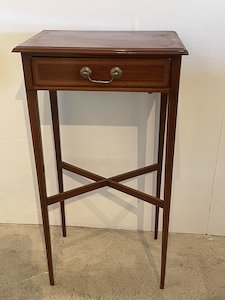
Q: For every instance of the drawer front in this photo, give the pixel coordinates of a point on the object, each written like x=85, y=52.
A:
x=65, y=72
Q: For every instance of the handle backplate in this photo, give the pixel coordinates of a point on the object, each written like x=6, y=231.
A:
x=115, y=73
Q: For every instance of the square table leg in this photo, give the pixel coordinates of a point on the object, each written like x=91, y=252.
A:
x=162, y=123
x=169, y=155
x=56, y=134
x=39, y=161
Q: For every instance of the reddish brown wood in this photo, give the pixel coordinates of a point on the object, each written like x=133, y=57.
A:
x=116, y=178
x=137, y=73
x=162, y=123
x=134, y=173
x=104, y=88
x=170, y=141
x=39, y=161
x=101, y=182
x=80, y=171
x=140, y=195
x=77, y=191
x=103, y=43
x=56, y=134
x=36, y=134
x=151, y=63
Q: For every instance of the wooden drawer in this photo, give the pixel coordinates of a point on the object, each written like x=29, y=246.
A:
x=65, y=72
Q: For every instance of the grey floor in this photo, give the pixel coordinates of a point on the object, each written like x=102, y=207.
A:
x=109, y=264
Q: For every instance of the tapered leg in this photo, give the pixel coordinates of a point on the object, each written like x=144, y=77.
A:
x=170, y=141
x=56, y=133
x=38, y=153
x=162, y=122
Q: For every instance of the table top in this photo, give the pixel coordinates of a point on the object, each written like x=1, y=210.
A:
x=107, y=42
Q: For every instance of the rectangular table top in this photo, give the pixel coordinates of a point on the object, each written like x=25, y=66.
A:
x=107, y=42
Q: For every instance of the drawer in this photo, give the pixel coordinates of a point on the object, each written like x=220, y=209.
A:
x=65, y=72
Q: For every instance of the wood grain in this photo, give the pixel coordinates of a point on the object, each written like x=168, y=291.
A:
x=104, y=43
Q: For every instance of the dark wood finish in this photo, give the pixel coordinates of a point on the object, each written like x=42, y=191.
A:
x=56, y=72
x=80, y=171
x=140, y=195
x=135, y=173
x=150, y=62
x=116, y=178
x=162, y=123
x=170, y=141
x=77, y=191
x=56, y=134
x=104, y=87
x=101, y=182
x=104, y=43
x=32, y=103
x=36, y=135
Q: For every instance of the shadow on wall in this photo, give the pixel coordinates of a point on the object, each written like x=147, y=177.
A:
x=102, y=109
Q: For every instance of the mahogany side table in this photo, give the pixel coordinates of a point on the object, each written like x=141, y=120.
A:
x=144, y=61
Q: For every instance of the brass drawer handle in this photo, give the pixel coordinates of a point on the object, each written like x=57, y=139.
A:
x=115, y=72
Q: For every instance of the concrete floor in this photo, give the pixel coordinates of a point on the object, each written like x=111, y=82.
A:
x=109, y=264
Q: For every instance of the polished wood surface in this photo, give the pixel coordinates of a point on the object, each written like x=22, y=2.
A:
x=104, y=42
x=65, y=72
x=150, y=62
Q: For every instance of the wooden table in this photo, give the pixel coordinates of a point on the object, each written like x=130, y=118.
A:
x=144, y=61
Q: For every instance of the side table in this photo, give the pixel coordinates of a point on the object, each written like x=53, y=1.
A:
x=135, y=61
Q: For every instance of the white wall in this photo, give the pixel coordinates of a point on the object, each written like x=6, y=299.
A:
x=116, y=126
